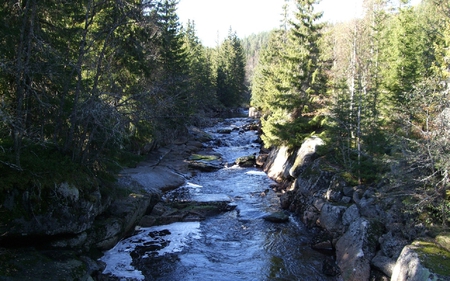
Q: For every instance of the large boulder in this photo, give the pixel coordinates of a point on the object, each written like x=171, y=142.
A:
x=277, y=165
x=304, y=155
x=422, y=260
x=64, y=209
x=355, y=250
x=156, y=178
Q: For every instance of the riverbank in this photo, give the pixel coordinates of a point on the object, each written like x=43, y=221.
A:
x=70, y=250
x=368, y=227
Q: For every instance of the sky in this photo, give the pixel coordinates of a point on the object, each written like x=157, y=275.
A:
x=214, y=18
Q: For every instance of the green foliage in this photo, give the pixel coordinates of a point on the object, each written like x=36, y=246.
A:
x=231, y=72
x=289, y=84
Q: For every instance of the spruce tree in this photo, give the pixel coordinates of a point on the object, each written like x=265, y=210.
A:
x=300, y=82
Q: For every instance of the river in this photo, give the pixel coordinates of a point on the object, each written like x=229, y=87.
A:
x=234, y=245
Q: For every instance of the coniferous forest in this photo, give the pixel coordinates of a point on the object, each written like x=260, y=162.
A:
x=374, y=88
x=88, y=86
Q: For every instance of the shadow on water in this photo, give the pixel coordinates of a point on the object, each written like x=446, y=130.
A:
x=235, y=245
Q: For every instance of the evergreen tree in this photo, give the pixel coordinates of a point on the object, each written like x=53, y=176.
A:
x=202, y=91
x=300, y=85
x=231, y=72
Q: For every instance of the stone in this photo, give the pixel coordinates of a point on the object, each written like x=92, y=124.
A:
x=383, y=263
x=350, y=215
x=204, y=166
x=277, y=217
x=277, y=167
x=331, y=217
x=246, y=161
x=391, y=244
x=422, y=260
x=355, y=250
x=304, y=155
x=155, y=178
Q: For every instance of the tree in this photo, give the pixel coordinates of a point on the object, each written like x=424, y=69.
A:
x=300, y=82
x=202, y=91
x=231, y=72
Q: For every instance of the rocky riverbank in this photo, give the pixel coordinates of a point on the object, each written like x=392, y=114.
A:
x=64, y=241
x=372, y=237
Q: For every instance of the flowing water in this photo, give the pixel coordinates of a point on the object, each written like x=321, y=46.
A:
x=234, y=245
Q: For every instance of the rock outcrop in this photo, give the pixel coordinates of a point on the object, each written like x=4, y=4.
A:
x=366, y=229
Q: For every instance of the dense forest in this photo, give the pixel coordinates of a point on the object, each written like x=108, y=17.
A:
x=88, y=86
x=374, y=88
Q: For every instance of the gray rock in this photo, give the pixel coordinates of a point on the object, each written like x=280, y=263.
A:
x=354, y=251
x=246, y=161
x=350, y=215
x=155, y=178
x=331, y=217
x=277, y=217
x=383, y=263
x=63, y=210
x=417, y=262
x=304, y=155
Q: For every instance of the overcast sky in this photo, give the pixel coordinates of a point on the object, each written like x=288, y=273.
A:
x=213, y=18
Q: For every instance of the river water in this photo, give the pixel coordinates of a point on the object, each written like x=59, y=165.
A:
x=234, y=245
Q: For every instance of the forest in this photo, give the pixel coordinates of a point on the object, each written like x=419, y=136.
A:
x=374, y=88
x=88, y=87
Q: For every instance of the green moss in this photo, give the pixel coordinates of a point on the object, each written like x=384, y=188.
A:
x=434, y=257
x=203, y=157
x=443, y=239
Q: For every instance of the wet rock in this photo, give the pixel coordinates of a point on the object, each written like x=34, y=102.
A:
x=277, y=217
x=246, y=161
x=204, y=166
x=224, y=130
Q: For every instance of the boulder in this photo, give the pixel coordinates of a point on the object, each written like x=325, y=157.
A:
x=246, y=161
x=304, y=155
x=355, y=250
x=66, y=209
x=277, y=165
x=331, y=218
x=277, y=217
x=422, y=260
x=383, y=263
x=156, y=178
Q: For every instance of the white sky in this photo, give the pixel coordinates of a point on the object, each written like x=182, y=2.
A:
x=213, y=18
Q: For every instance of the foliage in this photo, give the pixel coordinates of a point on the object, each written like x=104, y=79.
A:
x=90, y=83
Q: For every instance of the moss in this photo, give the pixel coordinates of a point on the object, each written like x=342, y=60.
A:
x=203, y=157
x=443, y=239
x=434, y=257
